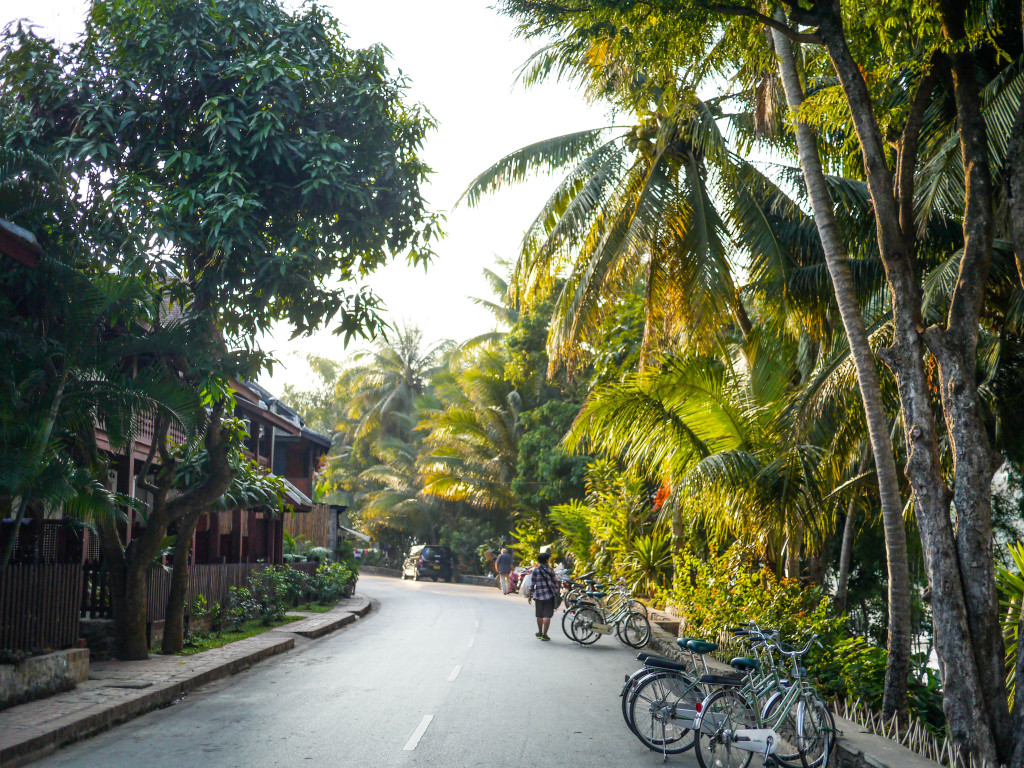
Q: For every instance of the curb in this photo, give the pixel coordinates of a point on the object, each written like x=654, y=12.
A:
x=325, y=623
x=88, y=717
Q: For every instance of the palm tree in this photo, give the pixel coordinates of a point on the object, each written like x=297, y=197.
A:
x=471, y=446
x=636, y=204
x=385, y=383
x=392, y=497
x=715, y=430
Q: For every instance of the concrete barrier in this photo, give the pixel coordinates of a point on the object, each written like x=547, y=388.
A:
x=39, y=676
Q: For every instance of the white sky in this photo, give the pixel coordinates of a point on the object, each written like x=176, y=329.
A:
x=461, y=59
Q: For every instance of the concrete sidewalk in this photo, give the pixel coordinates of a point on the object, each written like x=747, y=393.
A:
x=120, y=690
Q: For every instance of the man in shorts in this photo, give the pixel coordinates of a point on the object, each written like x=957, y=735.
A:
x=503, y=565
x=543, y=590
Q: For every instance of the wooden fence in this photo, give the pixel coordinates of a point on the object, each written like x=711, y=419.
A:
x=39, y=606
x=211, y=581
x=314, y=525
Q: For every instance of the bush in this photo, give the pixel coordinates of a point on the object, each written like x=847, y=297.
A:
x=199, y=609
x=271, y=588
x=718, y=591
x=714, y=593
x=240, y=607
x=330, y=580
x=298, y=586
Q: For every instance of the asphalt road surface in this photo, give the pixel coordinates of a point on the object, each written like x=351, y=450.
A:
x=443, y=675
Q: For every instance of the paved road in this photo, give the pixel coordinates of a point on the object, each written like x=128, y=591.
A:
x=438, y=675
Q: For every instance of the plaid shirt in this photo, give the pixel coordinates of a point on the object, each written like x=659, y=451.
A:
x=543, y=586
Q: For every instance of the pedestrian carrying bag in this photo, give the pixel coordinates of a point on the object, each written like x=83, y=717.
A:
x=526, y=585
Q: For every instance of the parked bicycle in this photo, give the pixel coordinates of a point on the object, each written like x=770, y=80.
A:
x=605, y=612
x=730, y=718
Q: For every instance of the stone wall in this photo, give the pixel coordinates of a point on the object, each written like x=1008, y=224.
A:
x=480, y=581
x=40, y=676
x=99, y=638
x=374, y=570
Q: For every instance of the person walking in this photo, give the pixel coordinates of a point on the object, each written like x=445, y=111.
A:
x=542, y=593
x=503, y=565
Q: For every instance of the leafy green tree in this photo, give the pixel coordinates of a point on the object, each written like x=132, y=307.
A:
x=252, y=160
x=545, y=475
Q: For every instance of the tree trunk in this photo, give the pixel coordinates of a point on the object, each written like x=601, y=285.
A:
x=898, y=668
x=174, y=615
x=794, y=538
x=1015, y=173
x=974, y=706
x=845, y=553
x=846, y=548
x=128, y=595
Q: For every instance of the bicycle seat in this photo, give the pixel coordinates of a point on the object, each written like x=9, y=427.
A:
x=720, y=680
x=645, y=655
x=587, y=576
x=744, y=664
x=660, y=662
x=596, y=594
x=701, y=646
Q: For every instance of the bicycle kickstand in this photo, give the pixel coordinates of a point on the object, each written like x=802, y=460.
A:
x=664, y=742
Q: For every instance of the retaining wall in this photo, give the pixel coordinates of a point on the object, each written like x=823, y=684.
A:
x=40, y=676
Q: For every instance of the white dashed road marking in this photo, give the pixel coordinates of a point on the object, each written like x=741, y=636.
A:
x=410, y=745
x=471, y=641
x=455, y=673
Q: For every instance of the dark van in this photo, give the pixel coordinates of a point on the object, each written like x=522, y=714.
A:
x=428, y=561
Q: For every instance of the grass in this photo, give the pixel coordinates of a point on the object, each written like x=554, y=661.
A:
x=204, y=642
x=313, y=608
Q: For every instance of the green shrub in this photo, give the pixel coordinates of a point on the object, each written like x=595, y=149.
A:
x=240, y=607
x=271, y=590
x=200, y=609
x=330, y=580
x=719, y=591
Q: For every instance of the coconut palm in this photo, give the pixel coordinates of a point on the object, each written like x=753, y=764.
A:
x=635, y=203
x=385, y=383
x=471, y=446
x=714, y=429
x=392, y=497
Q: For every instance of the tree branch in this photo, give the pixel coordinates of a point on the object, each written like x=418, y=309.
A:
x=160, y=427
x=768, y=21
x=908, y=150
x=966, y=301
x=219, y=477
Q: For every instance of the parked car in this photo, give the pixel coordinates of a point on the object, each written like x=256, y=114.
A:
x=428, y=561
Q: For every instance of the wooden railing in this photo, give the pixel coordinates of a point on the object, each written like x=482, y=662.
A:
x=211, y=581
x=39, y=606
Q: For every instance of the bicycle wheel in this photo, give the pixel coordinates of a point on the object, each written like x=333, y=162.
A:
x=581, y=627
x=636, y=605
x=722, y=714
x=662, y=709
x=787, y=751
x=567, y=622
x=636, y=630
x=572, y=598
x=629, y=691
x=816, y=729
